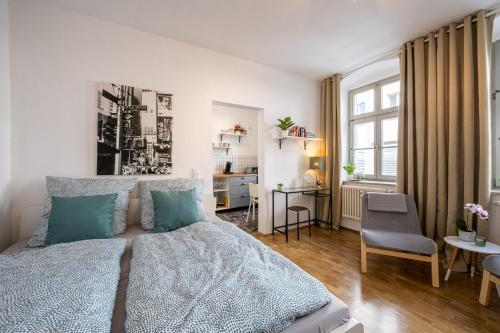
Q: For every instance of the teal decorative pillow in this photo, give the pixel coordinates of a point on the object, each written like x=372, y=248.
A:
x=168, y=185
x=77, y=218
x=174, y=210
x=76, y=187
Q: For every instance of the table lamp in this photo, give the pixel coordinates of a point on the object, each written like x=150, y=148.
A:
x=317, y=163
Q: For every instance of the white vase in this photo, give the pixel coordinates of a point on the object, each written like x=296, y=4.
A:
x=466, y=236
x=284, y=133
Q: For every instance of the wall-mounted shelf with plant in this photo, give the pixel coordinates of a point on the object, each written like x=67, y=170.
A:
x=293, y=132
x=236, y=131
x=221, y=135
x=304, y=139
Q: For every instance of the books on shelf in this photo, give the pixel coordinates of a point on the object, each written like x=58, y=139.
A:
x=299, y=131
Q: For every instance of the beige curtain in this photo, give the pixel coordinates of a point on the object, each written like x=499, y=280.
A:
x=331, y=145
x=444, y=123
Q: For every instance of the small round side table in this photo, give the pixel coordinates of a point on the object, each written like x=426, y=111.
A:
x=459, y=244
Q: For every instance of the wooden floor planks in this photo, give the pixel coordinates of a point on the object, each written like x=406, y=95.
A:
x=395, y=295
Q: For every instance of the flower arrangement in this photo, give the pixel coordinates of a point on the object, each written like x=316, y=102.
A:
x=238, y=129
x=467, y=234
x=478, y=210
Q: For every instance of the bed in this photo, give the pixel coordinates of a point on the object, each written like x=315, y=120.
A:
x=67, y=287
x=334, y=317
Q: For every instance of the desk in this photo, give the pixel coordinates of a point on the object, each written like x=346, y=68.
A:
x=308, y=191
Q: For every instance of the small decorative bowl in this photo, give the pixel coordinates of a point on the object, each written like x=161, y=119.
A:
x=480, y=241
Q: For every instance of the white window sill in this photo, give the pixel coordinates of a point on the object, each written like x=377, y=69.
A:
x=371, y=182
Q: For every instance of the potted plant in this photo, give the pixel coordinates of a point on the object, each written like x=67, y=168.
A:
x=476, y=211
x=284, y=125
x=465, y=234
x=238, y=129
x=279, y=186
x=350, y=168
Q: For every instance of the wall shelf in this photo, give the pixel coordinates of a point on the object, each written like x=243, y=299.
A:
x=304, y=139
x=239, y=136
x=226, y=148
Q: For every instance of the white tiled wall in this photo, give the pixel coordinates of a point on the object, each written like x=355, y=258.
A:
x=240, y=162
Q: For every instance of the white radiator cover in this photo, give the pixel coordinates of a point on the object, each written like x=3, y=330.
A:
x=351, y=200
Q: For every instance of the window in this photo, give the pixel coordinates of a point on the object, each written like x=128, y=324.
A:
x=373, y=127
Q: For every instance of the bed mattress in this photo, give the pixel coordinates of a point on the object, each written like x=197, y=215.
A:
x=324, y=320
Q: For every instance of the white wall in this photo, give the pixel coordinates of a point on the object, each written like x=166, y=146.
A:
x=5, y=127
x=57, y=55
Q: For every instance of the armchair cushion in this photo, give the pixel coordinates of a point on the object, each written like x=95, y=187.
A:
x=413, y=243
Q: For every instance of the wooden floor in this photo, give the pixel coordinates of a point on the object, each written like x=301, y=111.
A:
x=395, y=295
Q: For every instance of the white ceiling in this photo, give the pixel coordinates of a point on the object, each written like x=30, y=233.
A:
x=314, y=38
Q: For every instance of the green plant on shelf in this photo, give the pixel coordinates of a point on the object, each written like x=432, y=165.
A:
x=285, y=123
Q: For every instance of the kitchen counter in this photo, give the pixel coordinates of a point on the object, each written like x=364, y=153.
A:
x=223, y=175
x=232, y=190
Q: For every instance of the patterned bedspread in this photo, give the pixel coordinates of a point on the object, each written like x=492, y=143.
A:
x=213, y=277
x=62, y=288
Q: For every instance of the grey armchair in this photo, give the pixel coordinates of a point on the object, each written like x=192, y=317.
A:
x=390, y=226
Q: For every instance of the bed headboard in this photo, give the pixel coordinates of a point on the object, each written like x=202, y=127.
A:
x=30, y=217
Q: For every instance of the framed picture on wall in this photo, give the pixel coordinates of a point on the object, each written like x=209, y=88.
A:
x=134, y=130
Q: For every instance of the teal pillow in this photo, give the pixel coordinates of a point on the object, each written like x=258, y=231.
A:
x=174, y=210
x=77, y=218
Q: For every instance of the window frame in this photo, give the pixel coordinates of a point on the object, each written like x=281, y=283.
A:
x=377, y=116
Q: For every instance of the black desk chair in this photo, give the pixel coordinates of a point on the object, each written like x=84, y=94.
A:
x=299, y=209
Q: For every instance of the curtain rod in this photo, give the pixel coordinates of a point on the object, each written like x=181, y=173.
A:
x=396, y=52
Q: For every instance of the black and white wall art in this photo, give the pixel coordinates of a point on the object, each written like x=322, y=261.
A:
x=134, y=131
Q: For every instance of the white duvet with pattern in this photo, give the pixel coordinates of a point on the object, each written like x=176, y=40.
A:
x=213, y=277
x=67, y=287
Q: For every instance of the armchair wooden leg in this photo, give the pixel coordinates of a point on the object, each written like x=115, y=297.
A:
x=484, y=296
x=363, y=256
x=435, y=270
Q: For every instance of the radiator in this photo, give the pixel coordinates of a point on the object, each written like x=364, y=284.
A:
x=351, y=200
